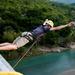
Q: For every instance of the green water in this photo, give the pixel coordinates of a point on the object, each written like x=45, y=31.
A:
x=48, y=64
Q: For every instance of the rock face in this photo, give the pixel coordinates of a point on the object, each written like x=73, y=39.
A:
x=57, y=48
x=72, y=45
x=54, y=49
x=69, y=72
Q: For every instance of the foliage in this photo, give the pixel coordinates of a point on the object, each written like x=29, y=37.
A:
x=22, y=15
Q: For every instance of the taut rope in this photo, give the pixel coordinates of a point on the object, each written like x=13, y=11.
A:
x=25, y=53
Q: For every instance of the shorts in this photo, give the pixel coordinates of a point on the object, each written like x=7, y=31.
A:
x=20, y=41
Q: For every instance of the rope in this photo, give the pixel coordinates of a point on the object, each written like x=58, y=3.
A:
x=25, y=53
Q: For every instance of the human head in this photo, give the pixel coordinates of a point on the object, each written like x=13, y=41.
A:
x=48, y=22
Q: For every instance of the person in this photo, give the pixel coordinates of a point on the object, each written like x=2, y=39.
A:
x=25, y=37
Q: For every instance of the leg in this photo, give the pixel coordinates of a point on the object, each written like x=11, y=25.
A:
x=3, y=44
x=9, y=46
x=17, y=43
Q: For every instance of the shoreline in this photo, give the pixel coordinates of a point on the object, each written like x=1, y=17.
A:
x=57, y=48
x=54, y=49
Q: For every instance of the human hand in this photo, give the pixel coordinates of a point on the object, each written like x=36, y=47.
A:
x=71, y=24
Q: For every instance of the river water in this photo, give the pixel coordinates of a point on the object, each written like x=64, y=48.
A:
x=47, y=64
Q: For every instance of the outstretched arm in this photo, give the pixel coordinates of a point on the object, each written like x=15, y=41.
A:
x=63, y=26
x=59, y=27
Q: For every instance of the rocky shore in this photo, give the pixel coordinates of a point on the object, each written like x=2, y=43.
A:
x=57, y=48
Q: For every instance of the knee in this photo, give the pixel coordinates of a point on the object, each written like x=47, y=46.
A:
x=15, y=47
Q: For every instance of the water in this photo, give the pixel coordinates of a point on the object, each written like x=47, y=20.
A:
x=48, y=64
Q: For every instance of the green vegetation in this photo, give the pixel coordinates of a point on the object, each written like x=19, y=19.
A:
x=17, y=16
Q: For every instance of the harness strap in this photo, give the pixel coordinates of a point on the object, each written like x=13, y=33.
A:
x=45, y=30
x=28, y=36
x=25, y=53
